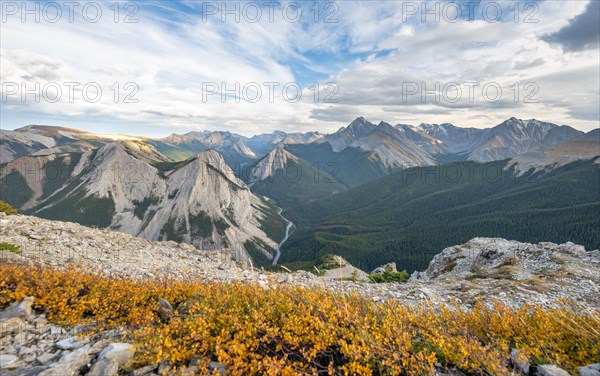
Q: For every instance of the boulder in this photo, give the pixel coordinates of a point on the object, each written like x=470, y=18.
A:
x=11, y=326
x=8, y=361
x=519, y=362
x=69, y=364
x=47, y=357
x=418, y=276
x=389, y=267
x=119, y=353
x=550, y=370
x=144, y=370
x=218, y=368
x=589, y=370
x=165, y=310
x=70, y=344
x=22, y=309
x=104, y=367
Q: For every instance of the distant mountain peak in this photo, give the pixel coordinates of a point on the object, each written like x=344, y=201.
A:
x=277, y=159
x=359, y=122
x=526, y=123
x=359, y=127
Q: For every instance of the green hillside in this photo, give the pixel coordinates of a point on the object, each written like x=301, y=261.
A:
x=319, y=172
x=299, y=183
x=14, y=190
x=178, y=152
x=350, y=167
x=409, y=216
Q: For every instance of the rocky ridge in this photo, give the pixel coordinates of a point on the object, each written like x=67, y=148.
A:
x=118, y=185
x=277, y=159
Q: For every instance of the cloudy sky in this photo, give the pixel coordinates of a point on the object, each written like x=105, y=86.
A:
x=153, y=68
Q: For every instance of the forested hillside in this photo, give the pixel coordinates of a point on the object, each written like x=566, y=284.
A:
x=408, y=216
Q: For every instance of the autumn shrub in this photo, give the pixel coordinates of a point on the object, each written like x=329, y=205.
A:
x=292, y=330
x=6, y=208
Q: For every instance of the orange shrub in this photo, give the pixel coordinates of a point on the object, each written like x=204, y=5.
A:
x=290, y=330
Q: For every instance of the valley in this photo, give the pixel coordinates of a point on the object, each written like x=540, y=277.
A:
x=287, y=236
x=371, y=193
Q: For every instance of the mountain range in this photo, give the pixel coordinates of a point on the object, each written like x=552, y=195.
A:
x=215, y=188
x=400, y=145
x=128, y=186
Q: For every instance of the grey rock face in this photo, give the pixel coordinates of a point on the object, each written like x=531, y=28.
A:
x=69, y=364
x=550, y=370
x=590, y=370
x=119, y=353
x=104, y=367
x=20, y=309
x=389, y=267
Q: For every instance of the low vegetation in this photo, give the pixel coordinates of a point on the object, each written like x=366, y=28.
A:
x=262, y=254
x=389, y=276
x=4, y=246
x=329, y=262
x=289, y=330
x=6, y=208
x=140, y=207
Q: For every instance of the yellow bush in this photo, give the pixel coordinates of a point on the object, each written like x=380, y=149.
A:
x=6, y=208
x=292, y=330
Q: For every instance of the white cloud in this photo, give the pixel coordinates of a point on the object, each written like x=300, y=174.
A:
x=369, y=52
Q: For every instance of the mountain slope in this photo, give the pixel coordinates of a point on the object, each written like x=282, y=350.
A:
x=585, y=146
x=232, y=146
x=506, y=140
x=392, y=146
x=455, y=140
x=515, y=136
x=350, y=167
x=45, y=140
x=290, y=180
x=405, y=217
x=264, y=143
x=582, y=148
x=198, y=201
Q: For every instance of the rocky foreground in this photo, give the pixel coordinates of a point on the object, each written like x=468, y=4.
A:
x=488, y=269
x=481, y=270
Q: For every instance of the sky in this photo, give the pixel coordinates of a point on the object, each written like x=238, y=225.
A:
x=153, y=68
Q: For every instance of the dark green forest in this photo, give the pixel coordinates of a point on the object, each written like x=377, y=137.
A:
x=410, y=216
x=318, y=172
x=298, y=182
